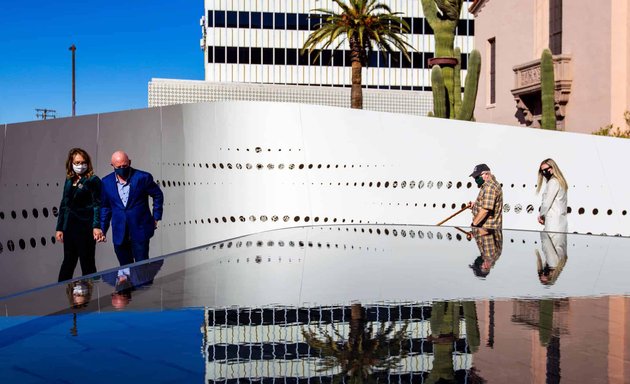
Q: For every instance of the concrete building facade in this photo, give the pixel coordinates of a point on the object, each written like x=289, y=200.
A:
x=251, y=48
x=589, y=43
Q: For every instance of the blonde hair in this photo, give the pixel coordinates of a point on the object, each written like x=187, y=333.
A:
x=557, y=173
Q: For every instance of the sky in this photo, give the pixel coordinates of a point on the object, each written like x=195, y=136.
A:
x=120, y=44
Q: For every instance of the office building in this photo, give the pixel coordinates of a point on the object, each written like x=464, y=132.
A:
x=252, y=52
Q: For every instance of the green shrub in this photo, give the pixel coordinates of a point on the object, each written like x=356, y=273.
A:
x=610, y=130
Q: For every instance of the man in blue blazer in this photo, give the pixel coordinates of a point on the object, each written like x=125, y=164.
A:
x=125, y=201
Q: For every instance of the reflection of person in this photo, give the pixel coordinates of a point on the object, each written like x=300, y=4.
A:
x=490, y=244
x=79, y=293
x=554, y=247
x=78, y=223
x=487, y=209
x=553, y=209
x=126, y=280
x=125, y=198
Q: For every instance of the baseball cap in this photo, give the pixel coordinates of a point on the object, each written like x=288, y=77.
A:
x=478, y=169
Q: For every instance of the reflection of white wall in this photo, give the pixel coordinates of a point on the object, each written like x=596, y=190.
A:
x=368, y=268
x=180, y=144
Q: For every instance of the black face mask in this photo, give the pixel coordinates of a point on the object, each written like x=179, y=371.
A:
x=123, y=172
x=547, y=174
x=479, y=180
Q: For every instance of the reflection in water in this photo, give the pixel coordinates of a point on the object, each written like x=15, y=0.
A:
x=126, y=280
x=550, y=318
x=554, y=247
x=549, y=337
x=79, y=294
x=364, y=355
x=490, y=244
x=431, y=343
x=445, y=330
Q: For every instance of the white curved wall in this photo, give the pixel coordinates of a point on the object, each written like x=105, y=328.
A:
x=205, y=150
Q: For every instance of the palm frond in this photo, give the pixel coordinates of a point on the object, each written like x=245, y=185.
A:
x=366, y=22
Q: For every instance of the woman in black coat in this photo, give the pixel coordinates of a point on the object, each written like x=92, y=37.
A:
x=79, y=221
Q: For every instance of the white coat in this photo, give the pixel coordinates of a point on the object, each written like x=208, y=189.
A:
x=554, y=207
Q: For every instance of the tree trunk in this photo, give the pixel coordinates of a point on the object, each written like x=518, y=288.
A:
x=357, y=325
x=356, y=93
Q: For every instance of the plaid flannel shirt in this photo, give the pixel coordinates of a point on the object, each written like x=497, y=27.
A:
x=490, y=243
x=491, y=198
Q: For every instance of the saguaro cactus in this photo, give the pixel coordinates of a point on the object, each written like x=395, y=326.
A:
x=470, y=88
x=547, y=90
x=442, y=16
x=445, y=331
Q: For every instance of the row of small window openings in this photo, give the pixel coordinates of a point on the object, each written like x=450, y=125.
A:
x=264, y=218
x=35, y=213
x=38, y=184
x=281, y=243
x=270, y=166
x=22, y=243
x=326, y=57
x=394, y=232
x=439, y=235
x=506, y=208
x=370, y=184
x=310, y=22
x=259, y=149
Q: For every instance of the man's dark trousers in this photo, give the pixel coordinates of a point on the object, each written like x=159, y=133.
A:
x=131, y=251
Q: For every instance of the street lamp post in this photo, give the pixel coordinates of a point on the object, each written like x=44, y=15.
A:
x=74, y=100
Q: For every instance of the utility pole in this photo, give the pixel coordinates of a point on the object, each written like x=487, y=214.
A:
x=74, y=100
x=45, y=113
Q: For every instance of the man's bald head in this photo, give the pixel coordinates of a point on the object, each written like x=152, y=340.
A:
x=120, y=159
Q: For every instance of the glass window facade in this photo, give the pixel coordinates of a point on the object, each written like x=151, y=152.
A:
x=308, y=21
x=328, y=57
x=272, y=35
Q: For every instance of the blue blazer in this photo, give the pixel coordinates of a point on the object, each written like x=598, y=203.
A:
x=139, y=275
x=136, y=217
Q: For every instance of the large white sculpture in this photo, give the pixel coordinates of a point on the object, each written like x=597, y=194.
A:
x=229, y=169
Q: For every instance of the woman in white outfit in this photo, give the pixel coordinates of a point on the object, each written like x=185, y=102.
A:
x=553, y=215
x=553, y=208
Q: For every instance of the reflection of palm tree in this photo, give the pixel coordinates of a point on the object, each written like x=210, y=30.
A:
x=364, y=353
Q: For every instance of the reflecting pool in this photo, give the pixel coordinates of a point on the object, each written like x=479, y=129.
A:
x=384, y=304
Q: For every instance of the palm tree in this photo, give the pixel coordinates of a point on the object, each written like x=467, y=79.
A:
x=364, y=354
x=364, y=24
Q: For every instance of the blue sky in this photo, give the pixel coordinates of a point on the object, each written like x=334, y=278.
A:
x=121, y=45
